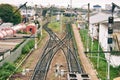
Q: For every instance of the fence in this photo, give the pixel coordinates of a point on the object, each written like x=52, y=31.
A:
x=13, y=55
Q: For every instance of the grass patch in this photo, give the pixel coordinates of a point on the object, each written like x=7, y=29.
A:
x=55, y=26
x=102, y=70
x=44, y=34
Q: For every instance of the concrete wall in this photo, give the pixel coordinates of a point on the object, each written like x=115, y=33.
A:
x=103, y=36
x=14, y=54
x=93, y=31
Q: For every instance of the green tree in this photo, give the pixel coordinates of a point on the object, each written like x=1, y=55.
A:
x=7, y=14
x=17, y=18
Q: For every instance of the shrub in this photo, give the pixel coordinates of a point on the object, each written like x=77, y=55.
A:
x=31, y=44
x=28, y=46
x=6, y=70
x=25, y=49
x=4, y=75
x=9, y=67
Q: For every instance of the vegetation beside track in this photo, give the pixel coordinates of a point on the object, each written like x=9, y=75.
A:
x=102, y=69
x=9, y=68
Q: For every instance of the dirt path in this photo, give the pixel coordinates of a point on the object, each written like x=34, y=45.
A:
x=84, y=60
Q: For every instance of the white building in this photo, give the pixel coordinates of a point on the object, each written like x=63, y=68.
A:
x=97, y=8
x=96, y=20
x=29, y=11
x=100, y=21
x=108, y=6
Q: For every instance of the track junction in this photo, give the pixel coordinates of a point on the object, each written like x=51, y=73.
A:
x=67, y=44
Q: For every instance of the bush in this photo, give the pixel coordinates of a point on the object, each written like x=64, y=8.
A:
x=25, y=49
x=9, y=66
x=6, y=70
x=28, y=47
x=4, y=75
x=31, y=44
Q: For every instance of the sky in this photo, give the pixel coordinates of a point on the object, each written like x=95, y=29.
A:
x=75, y=3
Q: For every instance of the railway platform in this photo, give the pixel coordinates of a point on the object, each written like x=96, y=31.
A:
x=84, y=60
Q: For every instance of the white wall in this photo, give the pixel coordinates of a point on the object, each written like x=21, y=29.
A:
x=103, y=37
x=30, y=12
x=93, y=31
x=103, y=34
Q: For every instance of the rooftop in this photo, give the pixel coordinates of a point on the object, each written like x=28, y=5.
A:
x=101, y=18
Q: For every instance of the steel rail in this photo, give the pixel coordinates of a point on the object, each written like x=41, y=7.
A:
x=42, y=67
x=68, y=49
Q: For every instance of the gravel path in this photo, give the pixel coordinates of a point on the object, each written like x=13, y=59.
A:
x=84, y=60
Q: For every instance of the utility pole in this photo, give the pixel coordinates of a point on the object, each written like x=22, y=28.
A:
x=88, y=14
x=35, y=37
x=41, y=18
x=36, y=26
x=92, y=41
x=41, y=25
x=88, y=27
x=26, y=14
x=51, y=14
x=71, y=9
x=61, y=15
x=98, y=55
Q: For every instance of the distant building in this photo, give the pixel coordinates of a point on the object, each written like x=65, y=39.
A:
x=29, y=11
x=97, y=8
x=108, y=6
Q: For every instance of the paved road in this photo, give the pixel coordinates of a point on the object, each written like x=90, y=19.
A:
x=84, y=60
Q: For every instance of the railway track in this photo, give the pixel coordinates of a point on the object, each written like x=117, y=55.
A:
x=52, y=46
